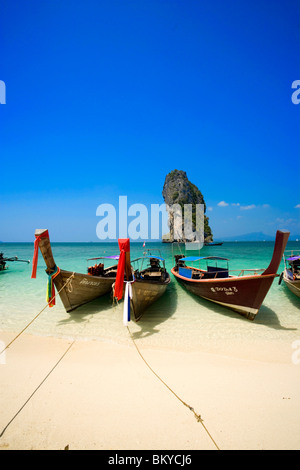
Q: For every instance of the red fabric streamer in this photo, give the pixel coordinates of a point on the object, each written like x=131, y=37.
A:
x=36, y=252
x=124, y=245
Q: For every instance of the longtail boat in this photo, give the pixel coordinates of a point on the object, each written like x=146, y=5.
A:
x=75, y=289
x=143, y=285
x=3, y=261
x=291, y=273
x=243, y=293
x=151, y=281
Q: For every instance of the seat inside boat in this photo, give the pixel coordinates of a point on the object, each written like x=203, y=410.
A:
x=153, y=272
x=215, y=271
x=212, y=272
x=148, y=274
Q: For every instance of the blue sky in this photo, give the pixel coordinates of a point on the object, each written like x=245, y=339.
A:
x=104, y=98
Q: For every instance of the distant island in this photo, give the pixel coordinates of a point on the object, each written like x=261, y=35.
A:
x=250, y=237
x=179, y=190
x=256, y=237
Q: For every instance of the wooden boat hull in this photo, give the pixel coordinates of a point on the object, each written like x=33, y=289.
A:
x=244, y=295
x=81, y=288
x=293, y=286
x=144, y=294
x=75, y=289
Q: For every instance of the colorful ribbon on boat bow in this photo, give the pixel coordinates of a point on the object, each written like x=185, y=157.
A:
x=50, y=297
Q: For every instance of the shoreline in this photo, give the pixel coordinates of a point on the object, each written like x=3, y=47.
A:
x=92, y=394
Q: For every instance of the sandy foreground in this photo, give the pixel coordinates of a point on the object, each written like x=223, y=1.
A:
x=101, y=395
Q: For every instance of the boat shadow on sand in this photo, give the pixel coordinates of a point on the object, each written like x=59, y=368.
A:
x=85, y=313
x=266, y=316
x=269, y=318
x=153, y=316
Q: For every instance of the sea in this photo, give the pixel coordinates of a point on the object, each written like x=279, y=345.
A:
x=178, y=321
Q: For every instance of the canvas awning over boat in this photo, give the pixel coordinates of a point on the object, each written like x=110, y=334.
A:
x=293, y=258
x=198, y=258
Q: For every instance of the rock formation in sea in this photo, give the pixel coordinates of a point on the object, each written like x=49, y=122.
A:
x=177, y=192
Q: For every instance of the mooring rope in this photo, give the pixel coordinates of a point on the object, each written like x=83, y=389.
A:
x=45, y=378
x=197, y=416
x=19, y=334
x=29, y=398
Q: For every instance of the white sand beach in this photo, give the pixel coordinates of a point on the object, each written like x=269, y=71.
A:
x=101, y=395
x=160, y=140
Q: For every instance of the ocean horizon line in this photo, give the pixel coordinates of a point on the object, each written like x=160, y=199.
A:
x=100, y=242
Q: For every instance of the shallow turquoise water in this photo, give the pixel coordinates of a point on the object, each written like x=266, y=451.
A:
x=178, y=320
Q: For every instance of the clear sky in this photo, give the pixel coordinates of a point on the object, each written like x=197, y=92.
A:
x=104, y=98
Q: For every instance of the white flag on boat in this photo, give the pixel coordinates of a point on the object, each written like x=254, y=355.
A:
x=127, y=297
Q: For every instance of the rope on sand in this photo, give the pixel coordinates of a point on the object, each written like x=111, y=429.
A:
x=19, y=334
x=197, y=416
x=44, y=379
x=60, y=359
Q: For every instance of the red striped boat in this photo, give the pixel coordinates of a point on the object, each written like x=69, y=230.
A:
x=242, y=293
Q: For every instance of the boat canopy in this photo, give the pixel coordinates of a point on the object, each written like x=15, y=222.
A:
x=293, y=258
x=198, y=258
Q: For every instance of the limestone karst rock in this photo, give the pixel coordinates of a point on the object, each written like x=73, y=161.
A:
x=178, y=190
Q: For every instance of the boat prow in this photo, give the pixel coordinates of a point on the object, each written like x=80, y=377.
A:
x=150, y=284
x=148, y=280
x=75, y=289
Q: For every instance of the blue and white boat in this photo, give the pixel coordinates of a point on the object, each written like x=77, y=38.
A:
x=291, y=273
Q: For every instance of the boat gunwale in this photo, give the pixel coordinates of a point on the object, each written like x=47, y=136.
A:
x=224, y=279
x=76, y=273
